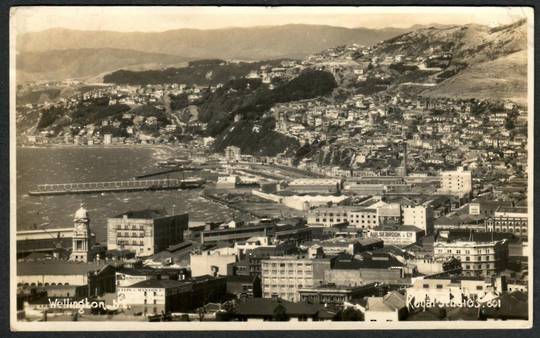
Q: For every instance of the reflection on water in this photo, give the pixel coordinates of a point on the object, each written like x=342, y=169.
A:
x=64, y=165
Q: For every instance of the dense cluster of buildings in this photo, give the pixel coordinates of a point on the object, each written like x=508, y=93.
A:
x=404, y=201
x=378, y=256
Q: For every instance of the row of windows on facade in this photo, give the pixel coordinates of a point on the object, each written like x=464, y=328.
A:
x=273, y=286
x=267, y=280
x=516, y=230
x=514, y=222
x=467, y=252
x=127, y=234
x=323, y=298
x=133, y=242
x=41, y=284
x=130, y=227
x=282, y=295
x=266, y=265
x=479, y=258
x=344, y=220
x=440, y=286
x=478, y=267
x=290, y=272
x=330, y=214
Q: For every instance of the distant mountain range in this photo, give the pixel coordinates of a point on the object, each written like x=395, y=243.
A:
x=56, y=54
x=52, y=65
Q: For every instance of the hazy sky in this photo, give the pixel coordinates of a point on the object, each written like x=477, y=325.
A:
x=152, y=19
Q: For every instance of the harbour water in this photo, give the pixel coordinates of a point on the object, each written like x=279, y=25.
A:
x=90, y=164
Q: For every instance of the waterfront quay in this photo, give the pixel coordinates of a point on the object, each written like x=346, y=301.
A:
x=98, y=187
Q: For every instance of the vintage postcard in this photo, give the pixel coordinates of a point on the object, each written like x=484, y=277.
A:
x=271, y=168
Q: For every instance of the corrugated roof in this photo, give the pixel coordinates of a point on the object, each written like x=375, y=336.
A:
x=57, y=268
x=159, y=283
x=375, y=261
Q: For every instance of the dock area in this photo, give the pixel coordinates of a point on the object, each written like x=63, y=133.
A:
x=98, y=187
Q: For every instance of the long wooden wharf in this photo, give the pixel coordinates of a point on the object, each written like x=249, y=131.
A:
x=112, y=186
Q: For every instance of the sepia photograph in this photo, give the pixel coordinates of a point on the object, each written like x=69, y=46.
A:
x=271, y=168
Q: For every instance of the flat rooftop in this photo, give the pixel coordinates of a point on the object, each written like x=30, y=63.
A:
x=144, y=214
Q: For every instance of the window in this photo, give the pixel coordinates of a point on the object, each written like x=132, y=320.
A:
x=479, y=287
x=425, y=286
x=439, y=286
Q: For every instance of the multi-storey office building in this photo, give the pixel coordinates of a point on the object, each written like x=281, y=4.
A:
x=456, y=182
x=445, y=288
x=514, y=220
x=364, y=218
x=284, y=276
x=479, y=258
x=420, y=216
x=330, y=216
x=145, y=232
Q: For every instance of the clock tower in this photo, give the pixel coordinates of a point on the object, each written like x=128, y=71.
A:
x=81, y=236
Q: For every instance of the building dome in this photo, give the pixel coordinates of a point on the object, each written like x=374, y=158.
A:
x=82, y=213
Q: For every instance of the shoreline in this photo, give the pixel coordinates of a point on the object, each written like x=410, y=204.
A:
x=159, y=151
x=104, y=146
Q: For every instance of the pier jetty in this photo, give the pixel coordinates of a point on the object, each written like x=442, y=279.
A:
x=98, y=187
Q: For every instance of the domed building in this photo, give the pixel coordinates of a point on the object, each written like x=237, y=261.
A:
x=81, y=213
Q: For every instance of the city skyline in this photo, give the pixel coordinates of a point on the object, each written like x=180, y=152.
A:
x=305, y=177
